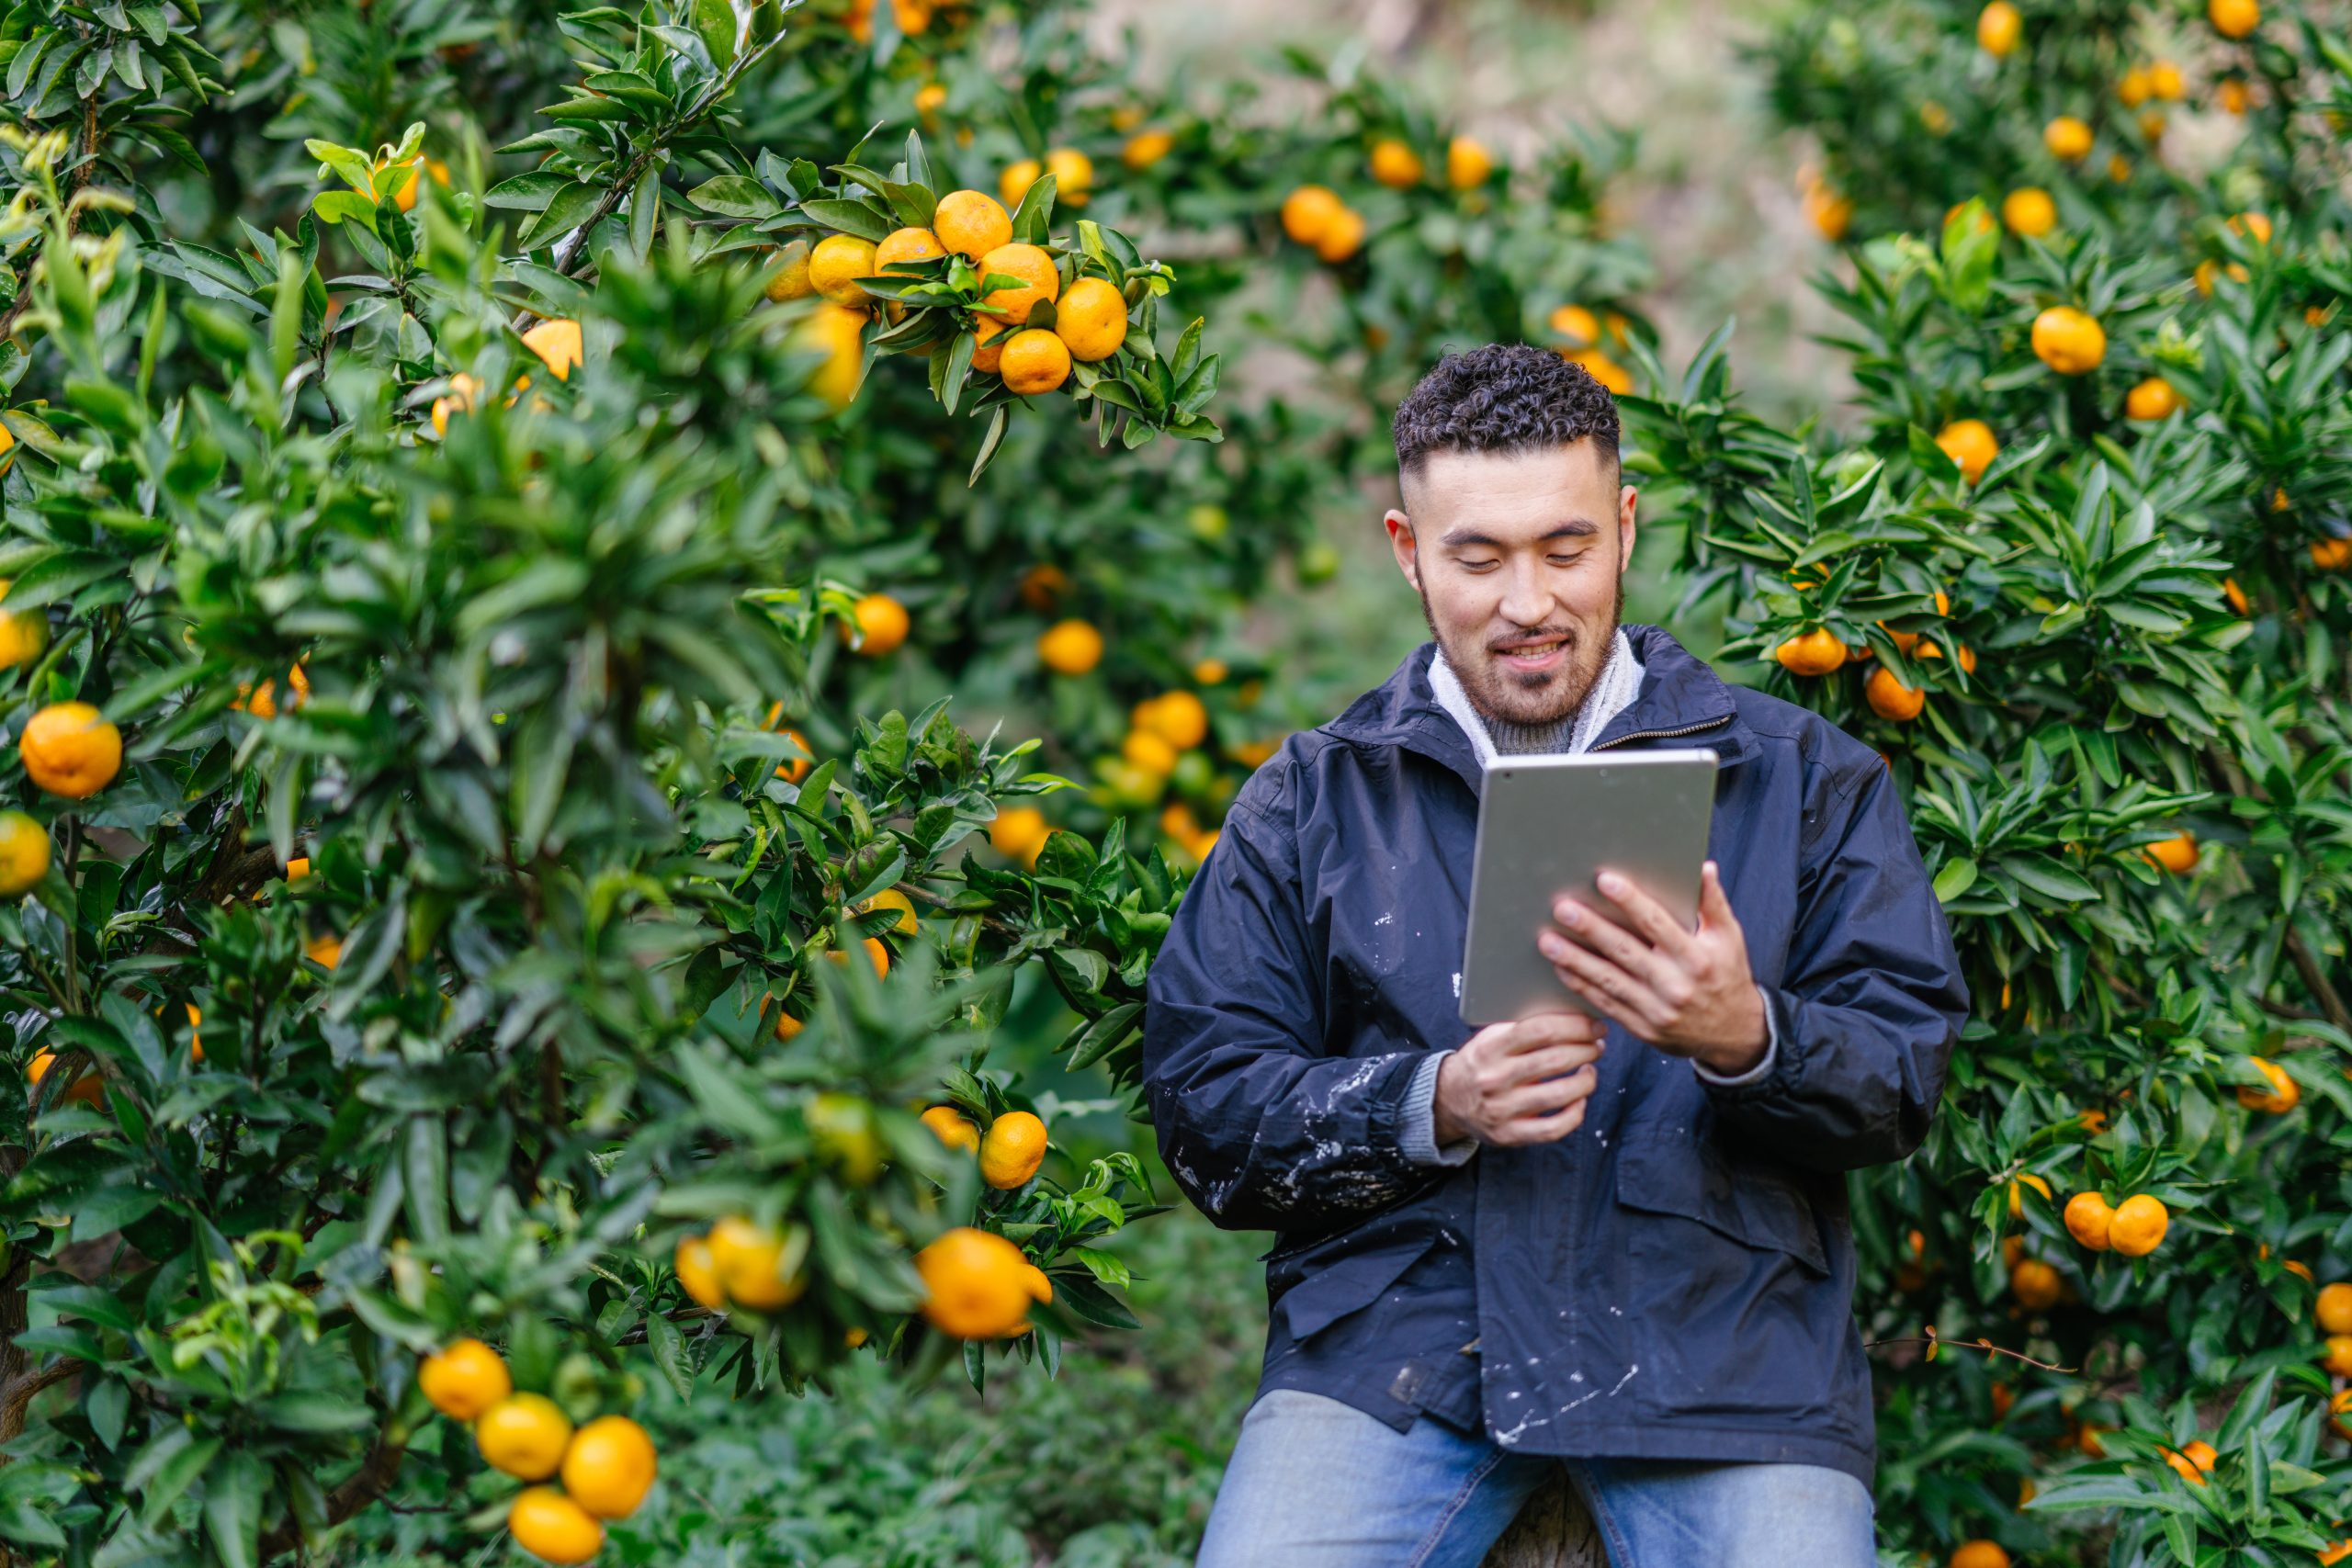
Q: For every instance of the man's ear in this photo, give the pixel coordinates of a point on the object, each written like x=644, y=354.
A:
x=1626, y=496
x=1407, y=548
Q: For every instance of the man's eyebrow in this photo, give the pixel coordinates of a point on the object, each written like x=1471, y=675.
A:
x=1575, y=528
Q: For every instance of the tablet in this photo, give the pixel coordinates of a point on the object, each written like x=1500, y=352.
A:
x=1548, y=826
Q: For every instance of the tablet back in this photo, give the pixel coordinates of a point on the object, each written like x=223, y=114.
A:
x=1548, y=826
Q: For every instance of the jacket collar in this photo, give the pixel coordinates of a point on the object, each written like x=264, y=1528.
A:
x=1682, y=702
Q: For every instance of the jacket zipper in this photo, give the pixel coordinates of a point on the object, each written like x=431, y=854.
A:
x=1662, y=734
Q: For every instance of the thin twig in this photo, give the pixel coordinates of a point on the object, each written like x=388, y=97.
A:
x=1931, y=1339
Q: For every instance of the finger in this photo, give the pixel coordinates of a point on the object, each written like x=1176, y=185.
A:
x=1715, y=906
x=1532, y=1067
x=1621, y=996
x=1541, y=1129
x=1544, y=1029
x=1542, y=1099
x=1600, y=934
x=1645, y=913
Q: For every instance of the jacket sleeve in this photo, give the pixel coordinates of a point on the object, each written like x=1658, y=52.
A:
x=1870, y=1002
x=1262, y=1127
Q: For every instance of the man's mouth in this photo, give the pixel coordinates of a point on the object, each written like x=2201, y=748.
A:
x=1530, y=655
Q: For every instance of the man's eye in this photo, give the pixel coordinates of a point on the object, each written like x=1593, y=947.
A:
x=1478, y=565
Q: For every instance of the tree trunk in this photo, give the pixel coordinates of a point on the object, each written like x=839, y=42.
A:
x=1553, y=1530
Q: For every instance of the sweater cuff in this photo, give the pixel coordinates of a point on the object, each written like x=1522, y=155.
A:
x=1417, y=1129
x=1764, y=1063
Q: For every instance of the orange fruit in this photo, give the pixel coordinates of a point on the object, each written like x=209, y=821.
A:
x=1178, y=717
x=876, y=954
x=2068, y=340
x=988, y=348
x=788, y=1027
x=2017, y=1193
x=2067, y=137
x=1018, y=833
x=1890, y=698
x=1091, y=320
x=1307, y=211
x=1816, y=652
x=1467, y=163
x=951, y=1127
x=2132, y=90
x=1012, y=1150
x=2233, y=18
x=609, y=1467
x=2185, y=1467
x=1209, y=671
x=748, y=1260
x=2253, y=226
x=836, y=264
x=523, y=1435
x=558, y=345
x=2177, y=855
x=836, y=331
x=1149, y=751
x=2151, y=124
x=2165, y=81
x=971, y=223
x=2332, y=555
x=1997, y=27
x=1343, y=237
x=973, y=1284
x=324, y=949
x=1970, y=443
x=2339, y=1405
x=1073, y=174
x=552, y=1528
x=1578, y=325
x=1035, y=361
x=1043, y=585
x=463, y=1379
x=70, y=750
x=2284, y=1094
x=2087, y=1220
x=1070, y=647
x=2236, y=596
x=2337, y=1357
x=2028, y=211
x=2233, y=96
x=1831, y=213
x=1146, y=148
x=461, y=399
x=1395, y=164
x=2139, y=1225
x=930, y=98
x=1038, y=280
x=88, y=1090
x=882, y=625
x=2035, y=1284
x=2152, y=398
x=2334, y=1308
x=905, y=245
x=891, y=898
x=1601, y=368
x=1983, y=1554
x=1018, y=176
x=24, y=853
x=698, y=1275
x=791, y=278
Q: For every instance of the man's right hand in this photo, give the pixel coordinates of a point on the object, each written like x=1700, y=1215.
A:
x=1494, y=1086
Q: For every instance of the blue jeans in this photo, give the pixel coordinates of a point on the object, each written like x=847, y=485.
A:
x=1316, y=1484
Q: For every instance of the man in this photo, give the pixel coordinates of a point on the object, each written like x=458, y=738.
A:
x=1620, y=1243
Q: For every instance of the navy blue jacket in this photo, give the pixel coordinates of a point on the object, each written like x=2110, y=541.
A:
x=1674, y=1279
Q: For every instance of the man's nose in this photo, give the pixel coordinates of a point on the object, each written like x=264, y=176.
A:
x=1527, y=598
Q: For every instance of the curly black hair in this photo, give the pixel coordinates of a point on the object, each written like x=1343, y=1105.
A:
x=1505, y=397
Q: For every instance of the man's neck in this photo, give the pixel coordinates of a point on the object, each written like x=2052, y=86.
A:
x=1530, y=740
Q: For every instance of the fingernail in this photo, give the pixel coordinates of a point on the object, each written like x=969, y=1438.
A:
x=1569, y=914
x=1550, y=946
x=1610, y=883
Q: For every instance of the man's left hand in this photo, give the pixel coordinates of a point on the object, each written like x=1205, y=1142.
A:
x=1689, y=993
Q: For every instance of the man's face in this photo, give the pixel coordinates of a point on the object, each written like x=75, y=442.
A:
x=1520, y=560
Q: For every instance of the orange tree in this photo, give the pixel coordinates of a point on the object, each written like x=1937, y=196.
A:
x=2081, y=573
x=447, y=986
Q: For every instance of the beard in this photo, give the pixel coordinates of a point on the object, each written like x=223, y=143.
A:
x=1535, y=697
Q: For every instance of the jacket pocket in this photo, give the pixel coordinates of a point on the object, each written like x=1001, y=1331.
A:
x=1735, y=1305
x=1751, y=1205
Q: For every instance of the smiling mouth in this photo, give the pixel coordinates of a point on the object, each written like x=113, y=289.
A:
x=1532, y=654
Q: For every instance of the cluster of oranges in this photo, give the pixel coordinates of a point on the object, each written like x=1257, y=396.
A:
x=606, y=1467
x=1822, y=652
x=1163, y=732
x=1090, y=316
x=741, y=1263
x=1582, y=331
x=2133, y=1228
x=1019, y=832
x=1314, y=216
x=1317, y=216
x=556, y=342
x=1011, y=1150
x=68, y=749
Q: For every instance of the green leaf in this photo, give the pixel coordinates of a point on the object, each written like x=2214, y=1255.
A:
x=735, y=195
x=850, y=217
x=715, y=25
